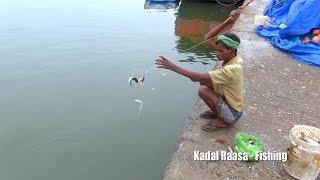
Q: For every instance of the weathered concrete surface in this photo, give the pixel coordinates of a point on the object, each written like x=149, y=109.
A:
x=279, y=93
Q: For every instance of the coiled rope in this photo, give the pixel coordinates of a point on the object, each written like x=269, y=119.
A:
x=223, y=4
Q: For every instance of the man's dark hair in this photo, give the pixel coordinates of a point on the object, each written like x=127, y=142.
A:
x=233, y=37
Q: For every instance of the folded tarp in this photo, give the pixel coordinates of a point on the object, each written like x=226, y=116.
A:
x=292, y=20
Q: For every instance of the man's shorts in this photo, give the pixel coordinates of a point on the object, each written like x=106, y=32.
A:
x=227, y=113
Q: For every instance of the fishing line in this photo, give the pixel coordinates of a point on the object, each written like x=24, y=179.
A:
x=183, y=51
x=154, y=66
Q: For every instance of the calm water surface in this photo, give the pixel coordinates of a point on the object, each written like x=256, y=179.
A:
x=66, y=109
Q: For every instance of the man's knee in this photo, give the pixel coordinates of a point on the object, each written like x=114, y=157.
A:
x=203, y=91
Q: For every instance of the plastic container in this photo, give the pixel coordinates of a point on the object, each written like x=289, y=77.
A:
x=249, y=144
x=304, y=153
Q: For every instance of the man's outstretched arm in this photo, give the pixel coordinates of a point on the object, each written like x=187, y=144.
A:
x=202, y=78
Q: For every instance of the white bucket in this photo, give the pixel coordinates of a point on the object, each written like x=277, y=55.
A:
x=304, y=155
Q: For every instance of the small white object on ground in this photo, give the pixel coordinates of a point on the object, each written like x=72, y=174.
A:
x=280, y=130
x=282, y=26
x=261, y=20
x=249, y=142
x=163, y=74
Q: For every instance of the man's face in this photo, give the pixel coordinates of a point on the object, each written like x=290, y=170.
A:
x=223, y=52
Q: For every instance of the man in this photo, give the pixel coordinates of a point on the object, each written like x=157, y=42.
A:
x=220, y=89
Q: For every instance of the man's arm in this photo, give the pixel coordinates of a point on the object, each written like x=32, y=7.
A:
x=202, y=78
x=217, y=29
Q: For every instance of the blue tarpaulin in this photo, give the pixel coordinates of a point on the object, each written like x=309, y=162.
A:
x=292, y=20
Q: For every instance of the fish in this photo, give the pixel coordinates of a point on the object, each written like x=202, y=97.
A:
x=133, y=79
x=141, y=80
x=141, y=104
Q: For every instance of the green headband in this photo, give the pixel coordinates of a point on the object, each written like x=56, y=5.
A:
x=228, y=41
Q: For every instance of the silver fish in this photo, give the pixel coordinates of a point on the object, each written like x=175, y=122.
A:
x=141, y=104
x=141, y=80
x=133, y=79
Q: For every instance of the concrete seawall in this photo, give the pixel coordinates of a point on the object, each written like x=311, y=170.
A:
x=279, y=93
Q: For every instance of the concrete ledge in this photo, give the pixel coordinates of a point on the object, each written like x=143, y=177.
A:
x=279, y=93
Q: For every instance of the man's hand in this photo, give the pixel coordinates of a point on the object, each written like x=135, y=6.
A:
x=202, y=78
x=234, y=15
x=163, y=62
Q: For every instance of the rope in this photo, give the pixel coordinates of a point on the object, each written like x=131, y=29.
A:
x=197, y=44
x=227, y=4
x=243, y=6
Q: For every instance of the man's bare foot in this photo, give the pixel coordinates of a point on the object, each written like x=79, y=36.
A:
x=209, y=115
x=219, y=123
x=215, y=125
